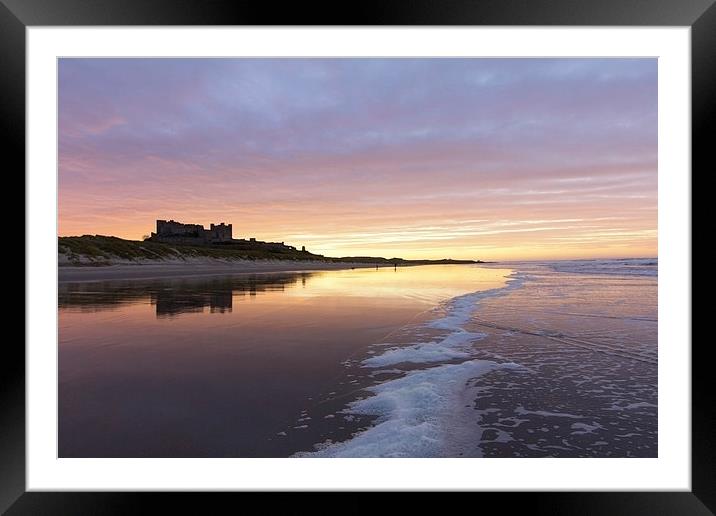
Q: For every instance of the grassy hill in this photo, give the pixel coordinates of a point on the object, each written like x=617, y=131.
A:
x=98, y=250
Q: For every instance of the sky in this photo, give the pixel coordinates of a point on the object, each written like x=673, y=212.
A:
x=493, y=159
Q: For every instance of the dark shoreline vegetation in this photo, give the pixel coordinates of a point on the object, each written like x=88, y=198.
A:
x=99, y=250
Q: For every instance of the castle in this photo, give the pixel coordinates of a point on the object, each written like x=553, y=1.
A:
x=173, y=232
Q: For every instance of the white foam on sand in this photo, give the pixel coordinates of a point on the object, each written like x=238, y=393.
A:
x=631, y=406
x=449, y=348
x=584, y=428
x=523, y=412
x=460, y=309
x=456, y=344
x=414, y=413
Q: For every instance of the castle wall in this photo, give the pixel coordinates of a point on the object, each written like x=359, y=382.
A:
x=220, y=232
x=173, y=232
x=171, y=227
x=180, y=239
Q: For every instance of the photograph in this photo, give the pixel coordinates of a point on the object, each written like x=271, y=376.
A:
x=394, y=257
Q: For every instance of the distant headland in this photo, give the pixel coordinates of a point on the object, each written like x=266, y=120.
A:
x=175, y=245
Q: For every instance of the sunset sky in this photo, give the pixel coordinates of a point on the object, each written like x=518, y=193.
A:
x=418, y=158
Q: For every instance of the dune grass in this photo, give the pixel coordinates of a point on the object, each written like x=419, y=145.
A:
x=98, y=249
x=103, y=250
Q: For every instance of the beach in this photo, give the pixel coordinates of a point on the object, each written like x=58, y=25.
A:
x=150, y=269
x=531, y=360
x=231, y=365
x=559, y=362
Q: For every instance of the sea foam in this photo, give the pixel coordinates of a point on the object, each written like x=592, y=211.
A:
x=455, y=344
x=415, y=411
x=446, y=349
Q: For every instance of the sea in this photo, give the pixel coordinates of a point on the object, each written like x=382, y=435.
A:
x=518, y=359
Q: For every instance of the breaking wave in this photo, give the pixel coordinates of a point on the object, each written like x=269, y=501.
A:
x=625, y=267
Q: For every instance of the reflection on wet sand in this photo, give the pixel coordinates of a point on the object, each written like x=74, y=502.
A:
x=221, y=366
x=177, y=296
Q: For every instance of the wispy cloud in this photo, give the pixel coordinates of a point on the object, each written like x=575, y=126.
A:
x=500, y=157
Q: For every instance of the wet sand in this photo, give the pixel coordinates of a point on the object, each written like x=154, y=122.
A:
x=243, y=365
x=440, y=361
x=145, y=271
x=587, y=381
x=556, y=364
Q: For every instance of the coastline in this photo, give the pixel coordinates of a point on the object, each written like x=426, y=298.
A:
x=176, y=269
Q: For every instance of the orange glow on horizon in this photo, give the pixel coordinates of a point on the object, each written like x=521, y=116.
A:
x=533, y=240
x=523, y=159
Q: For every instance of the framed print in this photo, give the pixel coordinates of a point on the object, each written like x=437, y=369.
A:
x=416, y=249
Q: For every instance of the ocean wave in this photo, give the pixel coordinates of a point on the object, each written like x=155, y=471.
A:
x=623, y=267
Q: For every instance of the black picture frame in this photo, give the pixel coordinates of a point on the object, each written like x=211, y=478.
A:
x=17, y=15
